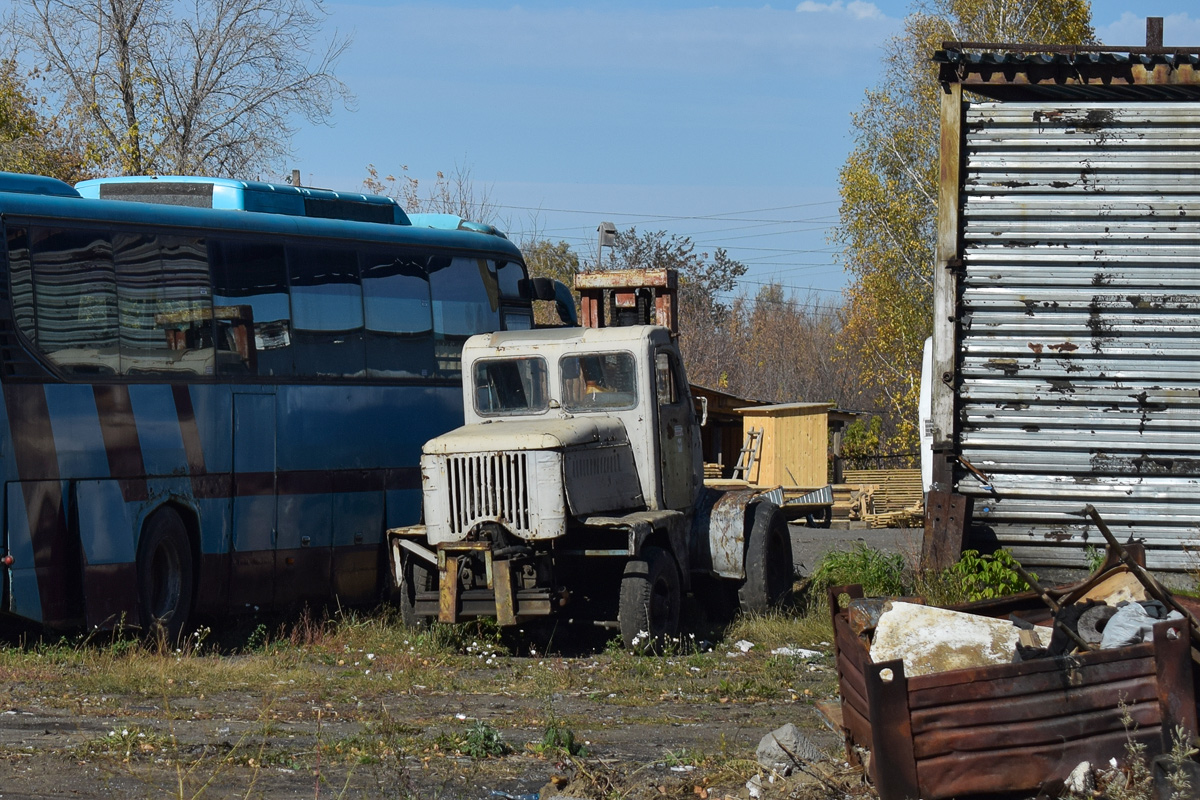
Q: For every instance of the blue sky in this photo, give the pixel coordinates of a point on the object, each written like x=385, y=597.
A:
x=725, y=122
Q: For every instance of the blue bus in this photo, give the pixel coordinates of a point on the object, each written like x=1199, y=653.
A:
x=237, y=195
x=206, y=412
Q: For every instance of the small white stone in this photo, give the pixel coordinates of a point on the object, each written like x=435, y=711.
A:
x=1081, y=781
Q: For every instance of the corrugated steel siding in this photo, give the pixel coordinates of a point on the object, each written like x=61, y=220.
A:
x=1079, y=333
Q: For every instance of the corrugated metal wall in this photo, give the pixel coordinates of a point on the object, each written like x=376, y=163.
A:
x=1079, y=325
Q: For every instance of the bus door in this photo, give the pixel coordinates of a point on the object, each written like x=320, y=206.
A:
x=252, y=562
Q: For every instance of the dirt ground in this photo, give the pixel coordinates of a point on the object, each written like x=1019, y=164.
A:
x=671, y=728
x=110, y=748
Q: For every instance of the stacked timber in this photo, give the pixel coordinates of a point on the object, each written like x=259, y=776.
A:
x=897, y=496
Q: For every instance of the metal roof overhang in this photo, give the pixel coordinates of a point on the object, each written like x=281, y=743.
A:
x=1025, y=72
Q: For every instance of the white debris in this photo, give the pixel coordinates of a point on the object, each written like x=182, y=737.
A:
x=798, y=652
x=1081, y=781
x=743, y=645
x=930, y=639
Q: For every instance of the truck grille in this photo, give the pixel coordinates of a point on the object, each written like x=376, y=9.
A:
x=489, y=486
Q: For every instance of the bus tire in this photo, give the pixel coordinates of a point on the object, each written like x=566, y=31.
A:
x=415, y=576
x=650, y=599
x=768, y=561
x=164, y=575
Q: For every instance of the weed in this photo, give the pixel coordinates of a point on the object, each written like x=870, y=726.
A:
x=481, y=740
x=257, y=639
x=974, y=577
x=1094, y=557
x=558, y=739
x=877, y=572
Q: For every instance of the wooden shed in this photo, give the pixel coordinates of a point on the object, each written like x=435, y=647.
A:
x=795, y=443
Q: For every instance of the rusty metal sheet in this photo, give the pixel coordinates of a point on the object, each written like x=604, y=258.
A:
x=622, y=278
x=1012, y=727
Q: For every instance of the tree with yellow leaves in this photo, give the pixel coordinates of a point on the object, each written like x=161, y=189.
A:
x=889, y=190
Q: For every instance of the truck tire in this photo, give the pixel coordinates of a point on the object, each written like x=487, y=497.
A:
x=768, y=562
x=164, y=575
x=415, y=576
x=650, y=599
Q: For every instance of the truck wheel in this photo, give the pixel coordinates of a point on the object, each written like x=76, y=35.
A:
x=650, y=598
x=415, y=576
x=164, y=575
x=768, y=560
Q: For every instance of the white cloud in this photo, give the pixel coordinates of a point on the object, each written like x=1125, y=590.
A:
x=856, y=8
x=1129, y=30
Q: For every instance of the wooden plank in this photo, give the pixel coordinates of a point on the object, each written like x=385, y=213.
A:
x=1065, y=728
x=1035, y=706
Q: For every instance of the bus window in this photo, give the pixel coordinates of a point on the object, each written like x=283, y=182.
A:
x=327, y=311
x=20, y=278
x=75, y=299
x=465, y=301
x=164, y=304
x=399, y=314
x=509, y=275
x=250, y=306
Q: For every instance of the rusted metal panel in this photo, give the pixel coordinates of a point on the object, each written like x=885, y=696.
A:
x=1077, y=334
x=1013, y=727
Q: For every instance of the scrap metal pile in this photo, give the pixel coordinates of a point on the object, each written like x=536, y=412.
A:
x=1011, y=695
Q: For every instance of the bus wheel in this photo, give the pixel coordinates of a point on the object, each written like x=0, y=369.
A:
x=164, y=574
x=415, y=576
x=650, y=598
x=769, y=568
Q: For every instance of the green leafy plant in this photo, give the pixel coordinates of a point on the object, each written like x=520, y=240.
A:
x=982, y=577
x=557, y=739
x=483, y=741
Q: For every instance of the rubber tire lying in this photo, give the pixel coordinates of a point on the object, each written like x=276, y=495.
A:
x=650, y=599
x=165, y=575
x=769, y=571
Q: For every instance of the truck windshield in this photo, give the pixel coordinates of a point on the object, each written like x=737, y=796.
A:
x=511, y=386
x=598, y=381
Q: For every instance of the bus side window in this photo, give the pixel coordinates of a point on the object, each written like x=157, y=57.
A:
x=327, y=312
x=466, y=301
x=250, y=306
x=398, y=311
x=164, y=304
x=75, y=299
x=20, y=277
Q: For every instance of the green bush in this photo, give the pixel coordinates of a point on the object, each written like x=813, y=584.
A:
x=980, y=577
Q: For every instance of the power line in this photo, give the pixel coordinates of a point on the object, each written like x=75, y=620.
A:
x=723, y=216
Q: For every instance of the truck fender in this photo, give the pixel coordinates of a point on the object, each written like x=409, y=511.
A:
x=721, y=531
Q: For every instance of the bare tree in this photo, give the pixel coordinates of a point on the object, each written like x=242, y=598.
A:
x=451, y=193
x=199, y=87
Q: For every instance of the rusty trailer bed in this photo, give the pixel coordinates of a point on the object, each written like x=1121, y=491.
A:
x=1019, y=727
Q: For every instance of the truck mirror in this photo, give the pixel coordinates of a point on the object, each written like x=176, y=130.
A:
x=703, y=410
x=564, y=302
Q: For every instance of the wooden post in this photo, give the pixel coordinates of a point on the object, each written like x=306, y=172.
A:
x=948, y=260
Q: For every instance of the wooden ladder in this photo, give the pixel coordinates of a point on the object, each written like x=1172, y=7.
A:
x=751, y=449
